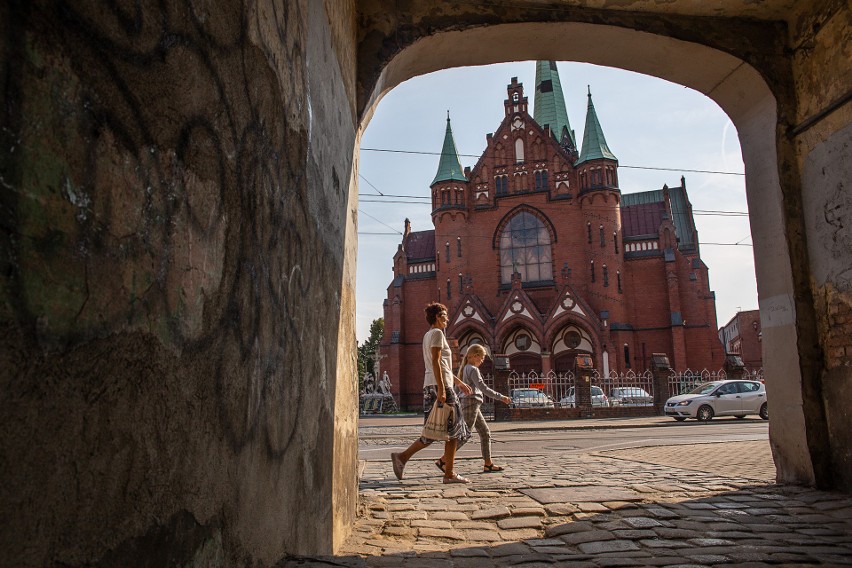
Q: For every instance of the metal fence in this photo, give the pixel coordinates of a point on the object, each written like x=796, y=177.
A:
x=534, y=390
x=626, y=389
x=555, y=390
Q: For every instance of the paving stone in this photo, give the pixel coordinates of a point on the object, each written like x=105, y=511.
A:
x=560, y=509
x=432, y=524
x=598, y=547
x=491, y=513
x=577, y=526
x=520, y=523
x=469, y=552
x=509, y=549
x=587, y=536
x=709, y=558
x=479, y=535
x=591, y=507
x=710, y=542
x=440, y=533
x=527, y=511
x=634, y=534
x=642, y=522
x=662, y=543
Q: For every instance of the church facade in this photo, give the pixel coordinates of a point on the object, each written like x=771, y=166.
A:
x=539, y=256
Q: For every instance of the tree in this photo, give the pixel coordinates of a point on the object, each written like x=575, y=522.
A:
x=368, y=349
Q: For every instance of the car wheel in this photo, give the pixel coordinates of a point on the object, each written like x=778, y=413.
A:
x=764, y=411
x=704, y=414
x=679, y=418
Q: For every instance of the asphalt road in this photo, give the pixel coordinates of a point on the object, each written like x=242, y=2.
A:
x=380, y=436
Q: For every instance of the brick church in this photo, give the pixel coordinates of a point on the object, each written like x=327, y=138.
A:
x=539, y=256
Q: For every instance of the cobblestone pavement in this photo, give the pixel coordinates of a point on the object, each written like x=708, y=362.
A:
x=712, y=504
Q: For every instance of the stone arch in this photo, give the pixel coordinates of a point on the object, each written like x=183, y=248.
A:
x=749, y=99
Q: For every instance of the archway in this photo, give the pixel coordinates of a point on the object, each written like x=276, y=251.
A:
x=740, y=90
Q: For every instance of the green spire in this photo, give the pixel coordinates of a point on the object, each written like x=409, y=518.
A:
x=449, y=168
x=549, y=107
x=594, y=143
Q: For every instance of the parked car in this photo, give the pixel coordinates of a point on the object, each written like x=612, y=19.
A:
x=720, y=398
x=530, y=398
x=598, y=398
x=630, y=396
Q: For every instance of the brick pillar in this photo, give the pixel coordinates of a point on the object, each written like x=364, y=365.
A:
x=660, y=369
x=583, y=393
x=501, y=384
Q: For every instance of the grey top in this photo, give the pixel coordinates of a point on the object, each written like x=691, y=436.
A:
x=473, y=378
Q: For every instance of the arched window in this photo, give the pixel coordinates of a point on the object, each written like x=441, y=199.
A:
x=525, y=248
x=519, y=150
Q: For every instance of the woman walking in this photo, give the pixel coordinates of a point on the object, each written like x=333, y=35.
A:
x=437, y=389
x=471, y=404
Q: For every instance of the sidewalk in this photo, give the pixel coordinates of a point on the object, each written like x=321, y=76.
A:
x=712, y=504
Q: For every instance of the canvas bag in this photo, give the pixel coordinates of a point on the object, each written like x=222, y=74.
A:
x=436, y=424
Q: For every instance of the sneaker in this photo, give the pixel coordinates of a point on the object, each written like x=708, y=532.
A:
x=398, y=465
x=456, y=478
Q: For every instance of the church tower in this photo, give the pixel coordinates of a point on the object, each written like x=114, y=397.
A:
x=549, y=110
x=449, y=214
x=600, y=199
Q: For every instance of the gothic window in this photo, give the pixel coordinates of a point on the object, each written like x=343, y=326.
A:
x=618, y=278
x=525, y=248
x=515, y=97
x=605, y=276
x=626, y=356
x=447, y=246
x=519, y=150
x=502, y=185
x=449, y=290
x=592, y=268
x=601, y=233
x=589, y=232
x=615, y=241
x=541, y=180
x=461, y=284
x=458, y=246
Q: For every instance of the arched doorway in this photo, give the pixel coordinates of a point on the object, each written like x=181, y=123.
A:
x=744, y=95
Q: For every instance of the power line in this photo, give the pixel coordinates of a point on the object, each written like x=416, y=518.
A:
x=477, y=156
x=702, y=212
x=737, y=244
x=395, y=232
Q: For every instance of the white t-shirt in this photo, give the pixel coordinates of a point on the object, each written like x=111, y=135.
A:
x=435, y=338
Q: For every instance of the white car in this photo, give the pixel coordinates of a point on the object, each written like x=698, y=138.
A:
x=530, y=398
x=720, y=398
x=630, y=396
x=598, y=398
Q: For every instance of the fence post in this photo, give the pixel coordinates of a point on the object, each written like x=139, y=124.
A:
x=660, y=368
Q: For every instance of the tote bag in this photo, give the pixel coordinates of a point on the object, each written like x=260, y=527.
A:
x=436, y=424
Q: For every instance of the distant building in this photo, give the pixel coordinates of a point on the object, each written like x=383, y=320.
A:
x=742, y=335
x=540, y=257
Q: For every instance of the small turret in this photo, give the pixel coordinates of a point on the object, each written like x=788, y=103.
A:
x=449, y=166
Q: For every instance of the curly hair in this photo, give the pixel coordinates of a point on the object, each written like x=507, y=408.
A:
x=432, y=310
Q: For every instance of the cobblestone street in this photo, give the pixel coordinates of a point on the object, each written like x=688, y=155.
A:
x=713, y=504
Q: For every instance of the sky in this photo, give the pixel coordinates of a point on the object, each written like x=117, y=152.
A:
x=649, y=123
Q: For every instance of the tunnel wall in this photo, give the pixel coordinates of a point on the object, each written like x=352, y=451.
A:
x=175, y=210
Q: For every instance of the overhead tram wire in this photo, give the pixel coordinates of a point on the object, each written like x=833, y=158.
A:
x=686, y=170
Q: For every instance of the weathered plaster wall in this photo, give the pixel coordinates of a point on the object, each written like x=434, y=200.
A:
x=823, y=69
x=176, y=212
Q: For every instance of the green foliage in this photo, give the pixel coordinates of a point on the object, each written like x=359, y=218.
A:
x=368, y=349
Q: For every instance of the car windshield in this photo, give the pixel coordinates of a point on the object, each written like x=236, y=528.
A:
x=705, y=388
x=596, y=391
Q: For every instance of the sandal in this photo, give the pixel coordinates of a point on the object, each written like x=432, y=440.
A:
x=398, y=465
x=456, y=478
x=439, y=463
x=491, y=468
